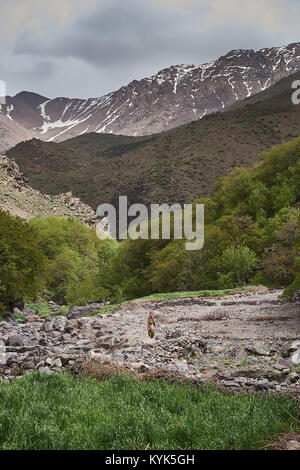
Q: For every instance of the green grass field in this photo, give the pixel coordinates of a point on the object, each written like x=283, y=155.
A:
x=61, y=412
x=200, y=293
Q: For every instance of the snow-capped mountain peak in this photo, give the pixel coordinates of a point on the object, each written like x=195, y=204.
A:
x=174, y=96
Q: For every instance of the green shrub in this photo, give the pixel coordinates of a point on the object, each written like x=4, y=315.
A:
x=239, y=263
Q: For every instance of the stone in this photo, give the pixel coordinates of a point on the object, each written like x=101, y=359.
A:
x=71, y=326
x=294, y=346
x=55, y=335
x=3, y=356
x=282, y=364
x=45, y=370
x=66, y=338
x=237, y=352
x=142, y=368
x=182, y=365
x=17, y=311
x=291, y=379
x=32, y=319
x=263, y=383
x=230, y=383
x=258, y=349
x=57, y=363
x=27, y=311
x=79, y=312
x=296, y=358
x=48, y=325
x=59, y=323
x=30, y=365
x=15, y=340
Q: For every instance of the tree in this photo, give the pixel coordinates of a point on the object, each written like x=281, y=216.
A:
x=239, y=262
x=22, y=262
x=72, y=250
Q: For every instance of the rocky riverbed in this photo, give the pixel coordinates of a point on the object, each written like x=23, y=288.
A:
x=248, y=341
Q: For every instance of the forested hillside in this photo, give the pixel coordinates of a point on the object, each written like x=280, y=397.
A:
x=252, y=236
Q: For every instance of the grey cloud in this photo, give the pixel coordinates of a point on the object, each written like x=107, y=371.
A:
x=127, y=32
x=118, y=41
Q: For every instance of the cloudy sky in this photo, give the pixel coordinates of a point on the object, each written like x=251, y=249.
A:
x=86, y=48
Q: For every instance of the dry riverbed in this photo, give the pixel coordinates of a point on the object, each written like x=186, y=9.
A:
x=248, y=341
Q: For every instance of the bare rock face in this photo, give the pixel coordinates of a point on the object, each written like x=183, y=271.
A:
x=174, y=96
x=18, y=198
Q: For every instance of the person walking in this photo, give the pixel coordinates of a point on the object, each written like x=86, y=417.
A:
x=151, y=325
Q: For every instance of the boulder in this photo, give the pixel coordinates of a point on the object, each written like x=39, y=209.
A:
x=29, y=365
x=294, y=346
x=48, y=325
x=59, y=323
x=259, y=349
x=282, y=364
x=71, y=326
x=57, y=363
x=3, y=356
x=15, y=340
x=17, y=311
x=262, y=384
x=79, y=312
x=45, y=370
x=105, y=342
x=296, y=358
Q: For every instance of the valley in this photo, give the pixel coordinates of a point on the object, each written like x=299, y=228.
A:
x=247, y=341
x=149, y=228
x=180, y=165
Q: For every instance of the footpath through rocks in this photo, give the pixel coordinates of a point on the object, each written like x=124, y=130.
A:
x=248, y=341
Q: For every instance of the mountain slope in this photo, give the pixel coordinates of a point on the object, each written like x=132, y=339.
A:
x=18, y=198
x=11, y=133
x=177, y=166
x=175, y=96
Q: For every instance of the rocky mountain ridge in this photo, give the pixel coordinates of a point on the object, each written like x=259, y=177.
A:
x=180, y=165
x=174, y=96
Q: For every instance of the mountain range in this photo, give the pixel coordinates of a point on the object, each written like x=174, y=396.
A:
x=179, y=165
x=174, y=96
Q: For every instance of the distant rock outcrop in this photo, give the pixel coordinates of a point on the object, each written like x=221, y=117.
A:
x=18, y=198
